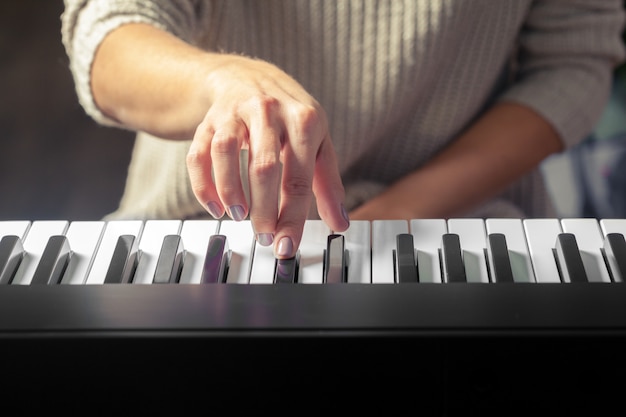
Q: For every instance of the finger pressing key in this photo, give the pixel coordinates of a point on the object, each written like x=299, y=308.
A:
x=199, y=168
x=264, y=171
x=226, y=146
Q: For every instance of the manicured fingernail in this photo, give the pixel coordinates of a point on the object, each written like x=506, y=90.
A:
x=285, y=247
x=265, y=239
x=214, y=209
x=237, y=212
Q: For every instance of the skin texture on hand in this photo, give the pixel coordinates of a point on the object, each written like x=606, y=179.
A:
x=259, y=108
x=152, y=81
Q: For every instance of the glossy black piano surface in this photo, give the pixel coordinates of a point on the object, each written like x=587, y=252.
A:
x=232, y=310
x=456, y=349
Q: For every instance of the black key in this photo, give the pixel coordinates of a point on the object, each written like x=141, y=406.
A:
x=170, y=261
x=615, y=250
x=11, y=254
x=124, y=261
x=334, y=259
x=568, y=258
x=452, y=258
x=216, y=261
x=499, y=261
x=286, y=270
x=53, y=261
x=406, y=266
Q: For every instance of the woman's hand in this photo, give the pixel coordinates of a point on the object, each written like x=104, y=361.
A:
x=149, y=80
x=258, y=107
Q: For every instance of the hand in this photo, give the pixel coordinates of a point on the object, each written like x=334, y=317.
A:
x=257, y=106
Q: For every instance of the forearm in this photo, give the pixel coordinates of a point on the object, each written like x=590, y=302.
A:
x=503, y=145
x=149, y=80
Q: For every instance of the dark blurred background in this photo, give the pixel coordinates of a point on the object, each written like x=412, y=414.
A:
x=57, y=163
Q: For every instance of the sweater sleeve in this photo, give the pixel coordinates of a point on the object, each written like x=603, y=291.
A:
x=566, y=55
x=85, y=23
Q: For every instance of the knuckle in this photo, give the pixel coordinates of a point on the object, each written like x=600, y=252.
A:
x=264, y=167
x=310, y=119
x=265, y=104
x=228, y=193
x=196, y=157
x=205, y=127
x=198, y=151
x=192, y=158
x=297, y=186
x=224, y=143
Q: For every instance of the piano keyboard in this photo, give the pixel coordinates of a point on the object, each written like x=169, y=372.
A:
x=528, y=306
x=210, y=275
x=211, y=251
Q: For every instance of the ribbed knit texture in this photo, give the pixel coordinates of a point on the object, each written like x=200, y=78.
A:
x=398, y=79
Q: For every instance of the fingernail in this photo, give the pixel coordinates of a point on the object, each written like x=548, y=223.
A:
x=214, y=209
x=237, y=212
x=285, y=247
x=265, y=239
x=344, y=213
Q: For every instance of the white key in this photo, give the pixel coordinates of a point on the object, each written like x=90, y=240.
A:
x=312, y=246
x=513, y=230
x=613, y=226
x=427, y=240
x=154, y=231
x=240, y=238
x=541, y=236
x=590, y=241
x=14, y=228
x=263, y=265
x=83, y=237
x=384, y=234
x=195, y=235
x=35, y=242
x=358, y=245
x=112, y=231
x=473, y=239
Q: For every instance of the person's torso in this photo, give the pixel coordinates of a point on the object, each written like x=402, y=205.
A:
x=398, y=79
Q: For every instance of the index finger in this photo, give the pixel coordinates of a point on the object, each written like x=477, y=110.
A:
x=303, y=137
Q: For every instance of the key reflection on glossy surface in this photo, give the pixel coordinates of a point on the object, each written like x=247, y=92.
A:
x=123, y=262
x=334, y=260
x=615, y=249
x=170, y=262
x=452, y=259
x=499, y=260
x=570, y=262
x=53, y=261
x=11, y=253
x=216, y=261
x=406, y=268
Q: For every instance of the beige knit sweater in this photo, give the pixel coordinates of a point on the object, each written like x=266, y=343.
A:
x=398, y=79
